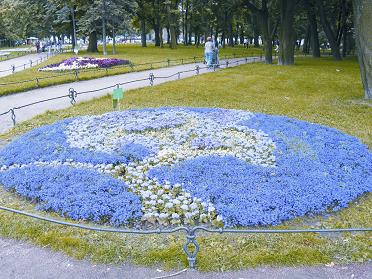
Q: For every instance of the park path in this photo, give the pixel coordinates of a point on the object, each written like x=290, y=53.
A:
x=21, y=63
x=20, y=99
x=21, y=260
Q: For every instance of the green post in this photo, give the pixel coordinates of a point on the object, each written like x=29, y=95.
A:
x=117, y=95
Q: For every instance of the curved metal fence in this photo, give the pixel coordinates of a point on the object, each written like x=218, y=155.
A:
x=191, y=232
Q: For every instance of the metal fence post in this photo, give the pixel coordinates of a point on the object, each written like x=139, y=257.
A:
x=13, y=116
x=72, y=94
x=191, y=255
x=151, y=79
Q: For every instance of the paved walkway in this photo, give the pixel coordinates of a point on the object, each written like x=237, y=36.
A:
x=20, y=260
x=21, y=63
x=16, y=100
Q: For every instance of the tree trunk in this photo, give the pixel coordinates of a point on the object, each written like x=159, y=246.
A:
x=92, y=46
x=241, y=35
x=185, y=35
x=307, y=39
x=168, y=35
x=143, y=32
x=113, y=40
x=314, y=35
x=173, y=37
x=328, y=31
x=73, y=23
x=267, y=36
x=157, y=34
x=256, y=31
x=287, y=32
x=363, y=32
x=230, y=29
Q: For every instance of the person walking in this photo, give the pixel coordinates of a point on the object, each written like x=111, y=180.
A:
x=37, y=44
x=209, y=49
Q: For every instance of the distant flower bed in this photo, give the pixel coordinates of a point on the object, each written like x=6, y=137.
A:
x=84, y=63
x=175, y=166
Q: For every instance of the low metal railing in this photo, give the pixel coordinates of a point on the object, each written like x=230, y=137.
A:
x=191, y=232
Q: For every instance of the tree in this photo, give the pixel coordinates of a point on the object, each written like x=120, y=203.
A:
x=313, y=28
x=265, y=22
x=172, y=12
x=287, y=33
x=142, y=14
x=331, y=36
x=363, y=36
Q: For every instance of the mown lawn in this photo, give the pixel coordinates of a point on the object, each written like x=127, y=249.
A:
x=152, y=57
x=320, y=91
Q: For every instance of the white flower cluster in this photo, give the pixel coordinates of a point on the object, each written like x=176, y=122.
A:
x=71, y=65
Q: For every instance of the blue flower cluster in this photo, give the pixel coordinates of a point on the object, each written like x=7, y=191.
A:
x=48, y=143
x=317, y=169
x=247, y=169
x=135, y=151
x=75, y=193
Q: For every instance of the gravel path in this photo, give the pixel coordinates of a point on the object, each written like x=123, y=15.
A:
x=21, y=63
x=20, y=99
x=20, y=260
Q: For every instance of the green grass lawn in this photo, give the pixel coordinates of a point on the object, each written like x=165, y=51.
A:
x=320, y=91
x=134, y=53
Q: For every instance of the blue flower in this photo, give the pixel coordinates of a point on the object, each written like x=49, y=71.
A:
x=75, y=193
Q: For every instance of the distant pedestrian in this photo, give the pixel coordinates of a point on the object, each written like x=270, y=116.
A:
x=208, y=52
x=37, y=44
x=245, y=43
x=59, y=46
x=49, y=45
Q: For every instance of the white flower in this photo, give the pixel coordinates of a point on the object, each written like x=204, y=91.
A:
x=184, y=207
x=193, y=206
x=175, y=201
x=175, y=216
x=168, y=205
x=188, y=215
x=163, y=215
x=211, y=209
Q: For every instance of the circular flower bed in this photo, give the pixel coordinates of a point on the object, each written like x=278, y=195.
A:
x=84, y=63
x=174, y=166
